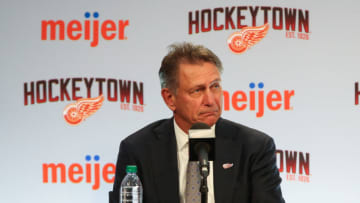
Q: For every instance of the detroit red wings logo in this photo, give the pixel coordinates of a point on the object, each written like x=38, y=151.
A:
x=76, y=112
x=241, y=41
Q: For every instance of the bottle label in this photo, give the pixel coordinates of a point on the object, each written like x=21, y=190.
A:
x=130, y=194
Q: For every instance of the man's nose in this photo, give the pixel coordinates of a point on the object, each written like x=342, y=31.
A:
x=209, y=98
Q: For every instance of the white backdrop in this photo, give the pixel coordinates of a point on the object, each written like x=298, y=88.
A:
x=321, y=70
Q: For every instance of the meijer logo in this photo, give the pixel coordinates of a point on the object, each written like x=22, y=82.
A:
x=258, y=100
x=77, y=173
x=87, y=29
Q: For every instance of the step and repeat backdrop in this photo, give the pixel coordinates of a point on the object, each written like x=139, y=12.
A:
x=77, y=77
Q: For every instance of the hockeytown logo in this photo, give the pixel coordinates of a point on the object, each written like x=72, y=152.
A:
x=130, y=94
x=294, y=164
x=251, y=22
x=357, y=93
x=88, y=29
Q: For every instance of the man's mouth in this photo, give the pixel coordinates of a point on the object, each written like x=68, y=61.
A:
x=209, y=113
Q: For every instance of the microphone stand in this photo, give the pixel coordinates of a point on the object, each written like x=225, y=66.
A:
x=201, y=148
x=204, y=172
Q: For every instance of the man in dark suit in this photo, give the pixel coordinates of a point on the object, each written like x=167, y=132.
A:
x=244, y=169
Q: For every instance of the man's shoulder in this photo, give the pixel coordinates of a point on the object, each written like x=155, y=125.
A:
x=239, y=131
x=148, y=132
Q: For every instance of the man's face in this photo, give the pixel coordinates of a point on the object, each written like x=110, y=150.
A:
x=198, y=97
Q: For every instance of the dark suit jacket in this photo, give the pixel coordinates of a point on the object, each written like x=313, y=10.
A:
x=254, y=177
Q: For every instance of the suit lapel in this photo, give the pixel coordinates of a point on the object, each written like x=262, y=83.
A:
x=226, y=151
x=164, y=162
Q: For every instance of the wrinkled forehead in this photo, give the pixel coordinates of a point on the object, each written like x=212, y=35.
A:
x=204, y=74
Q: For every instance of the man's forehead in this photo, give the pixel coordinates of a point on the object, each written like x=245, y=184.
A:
x=197, y=67
x=197, y=74
x=216, y=80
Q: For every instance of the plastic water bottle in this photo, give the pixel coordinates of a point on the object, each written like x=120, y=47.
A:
x=131, y=190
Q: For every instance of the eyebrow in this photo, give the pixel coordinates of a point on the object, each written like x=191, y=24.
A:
x=218, y=80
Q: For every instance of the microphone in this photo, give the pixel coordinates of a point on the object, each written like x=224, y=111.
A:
x=201, y=146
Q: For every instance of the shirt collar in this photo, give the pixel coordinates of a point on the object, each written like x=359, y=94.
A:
x=182, y=139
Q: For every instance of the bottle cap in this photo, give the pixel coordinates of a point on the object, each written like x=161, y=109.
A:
x=131, y=169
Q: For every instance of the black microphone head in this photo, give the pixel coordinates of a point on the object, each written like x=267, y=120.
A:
x=201, y=142
x=198, y=126
x=202, y=146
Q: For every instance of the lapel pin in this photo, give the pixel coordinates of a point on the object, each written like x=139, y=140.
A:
x=227, y=165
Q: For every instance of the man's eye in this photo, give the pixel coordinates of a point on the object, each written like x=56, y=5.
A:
x=196, y=91
x=216, y=86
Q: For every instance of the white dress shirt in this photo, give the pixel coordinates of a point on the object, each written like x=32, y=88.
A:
x=182, y=141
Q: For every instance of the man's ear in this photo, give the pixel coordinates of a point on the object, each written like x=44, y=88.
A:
x=169, y=98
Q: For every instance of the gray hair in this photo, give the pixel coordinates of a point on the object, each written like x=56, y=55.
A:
x=184, y=53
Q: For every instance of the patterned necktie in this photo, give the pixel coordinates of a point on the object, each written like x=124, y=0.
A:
x=193, y=183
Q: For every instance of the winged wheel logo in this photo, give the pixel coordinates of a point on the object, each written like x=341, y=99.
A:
x=241, y=41
x=76, y=112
